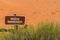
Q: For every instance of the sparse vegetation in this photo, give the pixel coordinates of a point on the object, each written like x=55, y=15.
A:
x=46, y=31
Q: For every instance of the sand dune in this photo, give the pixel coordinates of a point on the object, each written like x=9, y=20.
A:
x=34, y=10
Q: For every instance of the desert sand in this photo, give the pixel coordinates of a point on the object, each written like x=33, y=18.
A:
x=34, y=10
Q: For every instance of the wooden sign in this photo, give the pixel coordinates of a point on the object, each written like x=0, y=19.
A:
x=15, y=20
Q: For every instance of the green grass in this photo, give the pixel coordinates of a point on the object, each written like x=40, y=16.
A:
x=43, y=31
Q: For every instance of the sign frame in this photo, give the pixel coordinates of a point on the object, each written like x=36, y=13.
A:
x=8, y=18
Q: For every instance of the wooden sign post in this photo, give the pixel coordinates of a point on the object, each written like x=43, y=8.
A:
x=15, y=20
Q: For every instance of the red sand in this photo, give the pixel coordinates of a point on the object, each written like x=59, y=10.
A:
x=34, y=10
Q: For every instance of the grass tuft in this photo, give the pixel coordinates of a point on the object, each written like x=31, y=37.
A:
x=44, y=31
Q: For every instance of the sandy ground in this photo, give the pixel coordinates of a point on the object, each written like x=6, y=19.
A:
x=34, y=10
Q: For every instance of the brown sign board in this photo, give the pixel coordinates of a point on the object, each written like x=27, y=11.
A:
x=15, y=20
